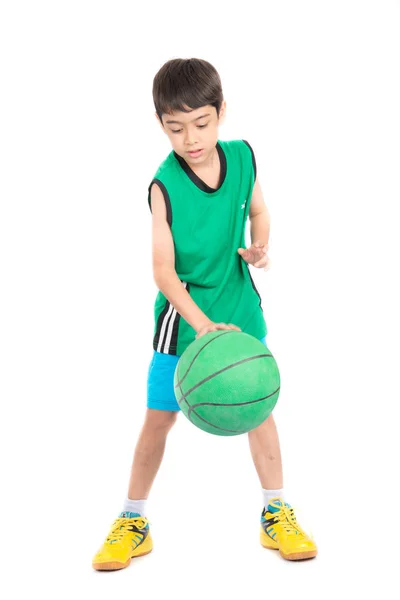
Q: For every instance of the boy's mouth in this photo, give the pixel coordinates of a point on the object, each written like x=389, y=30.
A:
x=195, y=153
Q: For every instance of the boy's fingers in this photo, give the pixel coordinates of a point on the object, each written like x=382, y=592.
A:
x=261, y=263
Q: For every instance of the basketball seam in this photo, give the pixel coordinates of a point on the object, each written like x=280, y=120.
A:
x=192, y=409
x=216, y=426
x=224, y=369
x=235, y=404
x=201, y=349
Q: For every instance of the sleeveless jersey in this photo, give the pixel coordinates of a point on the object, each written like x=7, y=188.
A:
x=208, y=227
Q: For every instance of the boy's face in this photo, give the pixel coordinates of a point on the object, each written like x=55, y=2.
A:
x=195, y=130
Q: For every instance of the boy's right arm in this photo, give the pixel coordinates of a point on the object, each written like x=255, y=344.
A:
x=164, y=272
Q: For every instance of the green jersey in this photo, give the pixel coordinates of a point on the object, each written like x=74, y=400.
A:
x=208, y=227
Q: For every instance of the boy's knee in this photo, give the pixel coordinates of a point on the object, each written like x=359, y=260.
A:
x=161, y=419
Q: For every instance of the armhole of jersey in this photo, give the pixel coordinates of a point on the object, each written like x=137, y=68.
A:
x=253, y=159
x=166, y=198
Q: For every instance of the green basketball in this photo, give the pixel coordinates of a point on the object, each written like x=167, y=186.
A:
x=227, y=382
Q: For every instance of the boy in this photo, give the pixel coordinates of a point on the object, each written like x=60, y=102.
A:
x=200, y=198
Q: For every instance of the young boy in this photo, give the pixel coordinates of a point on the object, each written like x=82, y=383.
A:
x=200, y=198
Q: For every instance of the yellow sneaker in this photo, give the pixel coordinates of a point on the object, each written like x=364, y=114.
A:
x=129, y=537
x=280, y=531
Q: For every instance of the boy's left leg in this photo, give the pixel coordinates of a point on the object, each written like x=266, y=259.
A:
x=266, y=453
x=279, y=527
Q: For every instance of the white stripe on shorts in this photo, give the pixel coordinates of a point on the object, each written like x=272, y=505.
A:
x=168, y=334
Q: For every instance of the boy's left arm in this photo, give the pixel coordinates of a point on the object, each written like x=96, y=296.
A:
x=256, y=254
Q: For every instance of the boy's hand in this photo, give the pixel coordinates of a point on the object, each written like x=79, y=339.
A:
x=256, y=255
x=215, y=327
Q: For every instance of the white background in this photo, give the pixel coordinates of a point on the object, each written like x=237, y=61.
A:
x=314, y=88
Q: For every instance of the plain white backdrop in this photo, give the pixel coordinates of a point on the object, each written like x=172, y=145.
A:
x=314, y=87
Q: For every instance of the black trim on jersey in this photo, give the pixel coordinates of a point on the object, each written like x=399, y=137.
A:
x=253, y=159
x=254, y=287
x=196, y=179
x=166, y=198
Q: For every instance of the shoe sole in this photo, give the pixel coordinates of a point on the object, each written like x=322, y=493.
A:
x=116, y=566
x=299, y=555
x=295, y=555
x=270, y=544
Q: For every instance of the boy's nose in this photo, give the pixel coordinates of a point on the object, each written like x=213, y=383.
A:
x=190, y=140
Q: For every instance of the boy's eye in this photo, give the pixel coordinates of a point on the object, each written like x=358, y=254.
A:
x=179, y=130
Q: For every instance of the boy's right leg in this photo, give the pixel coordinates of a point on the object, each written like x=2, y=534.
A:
x=130, y=536
x=149, y=451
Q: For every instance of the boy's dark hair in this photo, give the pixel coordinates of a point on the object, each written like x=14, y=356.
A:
x=186, y=82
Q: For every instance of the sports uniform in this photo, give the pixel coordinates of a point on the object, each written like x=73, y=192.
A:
x=208, y=226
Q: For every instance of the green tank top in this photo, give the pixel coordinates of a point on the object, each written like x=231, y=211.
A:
x=208, y=227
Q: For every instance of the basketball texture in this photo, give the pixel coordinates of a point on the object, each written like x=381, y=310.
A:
x=227, y=382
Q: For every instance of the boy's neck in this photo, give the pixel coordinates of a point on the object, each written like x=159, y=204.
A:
x=210, y=163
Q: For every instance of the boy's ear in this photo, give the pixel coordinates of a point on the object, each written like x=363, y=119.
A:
x=222, y=112
x=159, y=121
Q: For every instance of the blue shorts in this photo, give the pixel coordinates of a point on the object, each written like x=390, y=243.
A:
x=160, y=381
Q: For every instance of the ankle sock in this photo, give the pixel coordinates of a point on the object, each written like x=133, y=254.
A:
x=268, y=494
x=135, y=506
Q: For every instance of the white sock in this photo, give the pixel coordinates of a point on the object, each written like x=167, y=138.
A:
x=135, y=506
x=268, y=494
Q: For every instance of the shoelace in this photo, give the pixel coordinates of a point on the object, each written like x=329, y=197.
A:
x=119, y=527
x=286, y=516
